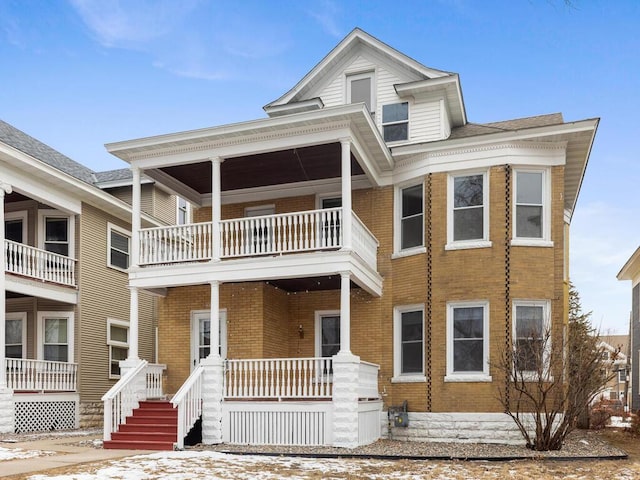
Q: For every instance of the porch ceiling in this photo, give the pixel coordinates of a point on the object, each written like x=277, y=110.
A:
x=294, y=165
x=312, y=284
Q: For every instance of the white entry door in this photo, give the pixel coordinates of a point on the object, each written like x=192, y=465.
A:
x=201, y=335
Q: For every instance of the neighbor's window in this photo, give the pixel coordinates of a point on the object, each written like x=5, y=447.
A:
x=395, y=122
x=55, y=336
x=532, y=338
x=182, y=211
x=408, y=332
x=532, y=202
x=411, y=217
x=468, y=341
x=468, y=200
x=56, y=235
x=118, y=342
x=15, y=335
x=119, y=247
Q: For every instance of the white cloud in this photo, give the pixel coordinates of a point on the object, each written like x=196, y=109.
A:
x=326, y=14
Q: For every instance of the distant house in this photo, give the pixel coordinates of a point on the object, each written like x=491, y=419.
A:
x=64, y=319
x=615, y=351
x=631, y=271
x=362, y=246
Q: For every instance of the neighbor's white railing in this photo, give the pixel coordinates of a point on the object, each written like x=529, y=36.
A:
x=188, y=401
x=138, y=384
x=282, y=233
x=41, y=375
x=278, y=378
x=368, y=380
x=33, y=262
x=178, y=243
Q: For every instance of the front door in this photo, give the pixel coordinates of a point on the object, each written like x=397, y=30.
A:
x=201, y=335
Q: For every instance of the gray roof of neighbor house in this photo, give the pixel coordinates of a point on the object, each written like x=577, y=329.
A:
x=19, y=140
x=473, y=129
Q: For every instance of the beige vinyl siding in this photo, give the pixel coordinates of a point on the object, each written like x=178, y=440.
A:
x=103, y=294
x=334, y=93
x=147, y=192
x=164, y=206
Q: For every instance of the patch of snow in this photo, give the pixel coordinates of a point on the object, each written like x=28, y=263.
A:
x=18, y=453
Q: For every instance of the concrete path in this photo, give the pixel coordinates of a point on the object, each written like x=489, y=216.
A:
x=67, y=452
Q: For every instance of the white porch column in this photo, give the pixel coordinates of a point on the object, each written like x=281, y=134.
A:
x=216, y=215
x=136, y=214
x=7, y=411
x=212, y=385
x=345, y=312
x=346, y=193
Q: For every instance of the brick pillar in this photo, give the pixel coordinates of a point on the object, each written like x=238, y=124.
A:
x=212, y=399
x=345, y=400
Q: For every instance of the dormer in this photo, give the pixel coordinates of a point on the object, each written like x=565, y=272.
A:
x=409, y=103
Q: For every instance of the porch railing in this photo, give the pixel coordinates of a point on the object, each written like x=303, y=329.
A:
x=278, y=378
x=188, y=401
x=41, y=375
x=368, y=380
x=294, y=232
x=138, y=384
x=33, y=262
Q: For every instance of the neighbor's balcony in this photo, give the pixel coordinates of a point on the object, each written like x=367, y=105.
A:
x=31, y=262
x=25, y=375
x=296, y=232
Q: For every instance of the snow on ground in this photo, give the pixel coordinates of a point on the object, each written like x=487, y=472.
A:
x=620, y=422
x=19, y=453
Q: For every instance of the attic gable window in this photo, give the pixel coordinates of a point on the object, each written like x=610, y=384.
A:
x=360, y=90
x=395, y=122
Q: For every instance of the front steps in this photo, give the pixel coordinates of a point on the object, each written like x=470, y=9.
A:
x=153, y=426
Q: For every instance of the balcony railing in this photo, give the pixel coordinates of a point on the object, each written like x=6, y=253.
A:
x=294, y=232
x=39, y=264
x=41, y=375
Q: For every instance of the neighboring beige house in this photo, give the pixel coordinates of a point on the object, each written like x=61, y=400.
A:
x=363, y=245
x=616, y=356
x=64, y=318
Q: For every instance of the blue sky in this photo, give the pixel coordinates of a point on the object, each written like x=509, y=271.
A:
x=77, y=74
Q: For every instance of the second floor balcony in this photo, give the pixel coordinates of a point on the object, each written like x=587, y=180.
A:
x=267, y=235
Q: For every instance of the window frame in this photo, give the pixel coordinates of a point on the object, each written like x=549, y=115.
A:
x=398, y=376
x=384, y=124
x=43, y=215
x=545, y=239
x=483, y=242
x=476, y=376
x=125, y=233
x=370, y=74
x=23, y=216
x=398, y=218
x=41, y=318
x=21, y=317
x=530, y=375
x=319, y=315
x=116, y=343
x=186, y=211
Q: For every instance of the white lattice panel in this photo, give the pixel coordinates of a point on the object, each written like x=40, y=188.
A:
x=42, y=416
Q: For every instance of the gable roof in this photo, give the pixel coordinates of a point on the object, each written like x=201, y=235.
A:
x=19, y=140
x=356, y=39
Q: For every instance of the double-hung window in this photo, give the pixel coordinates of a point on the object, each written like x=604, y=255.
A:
x=532, y=338
x=468, y=219
x=360, y=89
x=15, y=335
x=410, y=212
x=55, y=336
x=468, y=341
x=327, y=333
x=395, y=122
x=532, y=223
x=118, y=342
x=408, y=343
x=119, y=247
x=56, y=235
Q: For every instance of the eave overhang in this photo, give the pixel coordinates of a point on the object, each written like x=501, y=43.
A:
x=450, y=85
x=578, y=137
x=631, y=269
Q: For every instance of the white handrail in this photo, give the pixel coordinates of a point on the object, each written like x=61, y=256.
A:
x=278, y=378
x=365, y=243
x=123, y=397
x=188, y=400
x=41, y=375
x=177, y=243
x=36, y=263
